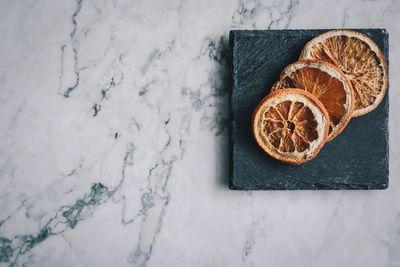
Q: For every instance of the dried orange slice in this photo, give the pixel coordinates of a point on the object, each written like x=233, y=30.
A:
x=291, y=125
x=328, y=84
x=361, y=61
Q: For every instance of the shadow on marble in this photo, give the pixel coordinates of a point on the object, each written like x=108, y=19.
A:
x=224, y=75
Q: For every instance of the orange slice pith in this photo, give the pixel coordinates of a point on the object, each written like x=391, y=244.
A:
x=328, y=84
x=291, y=125
x=361, y=61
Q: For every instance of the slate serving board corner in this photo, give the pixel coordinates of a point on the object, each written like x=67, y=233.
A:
x=356, y=159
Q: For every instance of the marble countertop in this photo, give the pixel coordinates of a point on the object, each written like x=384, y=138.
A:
x=113, y=141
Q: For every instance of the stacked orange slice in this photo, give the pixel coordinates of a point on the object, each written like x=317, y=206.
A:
x=328, y=84
x=291, y=125
x=361, y=61
x=341, y=74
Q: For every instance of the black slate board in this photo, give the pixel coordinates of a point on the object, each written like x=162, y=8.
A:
x=357, y=159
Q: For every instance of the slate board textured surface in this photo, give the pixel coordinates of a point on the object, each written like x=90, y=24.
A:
x=356, y=159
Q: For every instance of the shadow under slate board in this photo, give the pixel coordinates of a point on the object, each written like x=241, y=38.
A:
x=357, y=159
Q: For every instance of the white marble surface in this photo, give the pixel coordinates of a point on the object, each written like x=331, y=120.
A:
x=113, y=141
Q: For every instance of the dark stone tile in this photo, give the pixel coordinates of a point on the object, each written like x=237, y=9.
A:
x=357, y=159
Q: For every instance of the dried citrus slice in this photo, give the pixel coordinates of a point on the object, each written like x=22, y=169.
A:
x=291, y=125
x=328, y=84
x=361, y=61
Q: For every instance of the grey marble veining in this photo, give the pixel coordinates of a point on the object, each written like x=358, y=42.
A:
x=113, y=148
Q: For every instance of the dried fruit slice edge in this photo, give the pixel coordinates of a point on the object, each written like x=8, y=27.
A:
x=286, y=153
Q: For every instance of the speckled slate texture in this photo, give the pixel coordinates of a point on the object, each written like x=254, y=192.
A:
x=356, y=159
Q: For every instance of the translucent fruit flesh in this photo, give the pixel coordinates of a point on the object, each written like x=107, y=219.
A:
x=329, y=90
x=290, y=126
x=358, y=62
